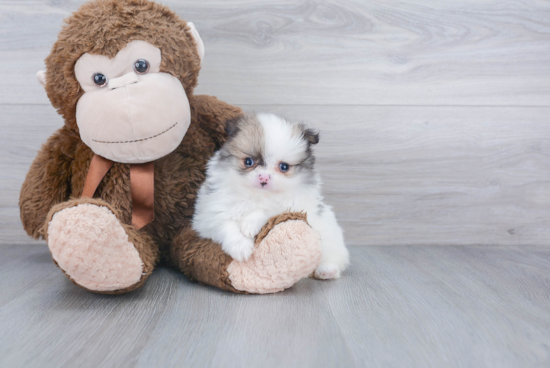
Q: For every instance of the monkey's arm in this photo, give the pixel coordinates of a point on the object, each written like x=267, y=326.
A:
x=47, y=182
x=212, y=115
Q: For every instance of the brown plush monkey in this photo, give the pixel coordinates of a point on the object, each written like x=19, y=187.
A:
x=113, y=190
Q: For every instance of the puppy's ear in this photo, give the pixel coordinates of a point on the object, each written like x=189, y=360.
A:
x=232, y=127
x=311, y=136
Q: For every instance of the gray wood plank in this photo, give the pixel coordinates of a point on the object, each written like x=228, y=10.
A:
x=395, y=175
x=468, y=52
x=263, y=332
x=432, y=295
x=415, y=306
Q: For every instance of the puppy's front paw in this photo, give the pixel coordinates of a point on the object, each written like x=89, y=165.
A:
x=252, y=226
x=239, y=249
x=327, y=271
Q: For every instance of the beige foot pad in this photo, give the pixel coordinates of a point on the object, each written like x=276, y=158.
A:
x=90, y=245
x=288, y=253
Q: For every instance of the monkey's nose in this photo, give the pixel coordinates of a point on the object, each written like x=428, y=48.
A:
x=123, y=81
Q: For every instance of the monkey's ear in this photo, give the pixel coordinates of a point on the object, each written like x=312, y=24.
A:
x=41, y=76
x=198, y=40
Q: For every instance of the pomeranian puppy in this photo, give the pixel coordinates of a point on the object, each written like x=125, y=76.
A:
x=265, y=168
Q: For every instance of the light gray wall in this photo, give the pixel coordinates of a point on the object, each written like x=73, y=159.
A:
x=434, y=114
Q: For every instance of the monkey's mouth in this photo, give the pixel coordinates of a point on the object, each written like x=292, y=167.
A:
x=139, y=140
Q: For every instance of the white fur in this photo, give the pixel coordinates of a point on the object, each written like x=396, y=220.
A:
x=232, y=208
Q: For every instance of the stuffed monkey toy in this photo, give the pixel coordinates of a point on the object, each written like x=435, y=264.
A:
x=113, y=190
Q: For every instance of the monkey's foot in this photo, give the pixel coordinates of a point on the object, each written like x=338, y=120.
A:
x=287, y=250
x=90, y=245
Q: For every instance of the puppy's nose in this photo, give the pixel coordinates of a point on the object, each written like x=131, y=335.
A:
x=123, y=81
x=264, y=178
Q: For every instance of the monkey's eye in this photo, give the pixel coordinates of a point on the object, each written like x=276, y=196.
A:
x=283, y=166
x=141, y=66
x=248, y=162
x=100, y=80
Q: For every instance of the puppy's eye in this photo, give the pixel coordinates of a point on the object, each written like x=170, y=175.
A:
x=141, y=66
x=248, y=162
x=283, y=166
x=99, y=79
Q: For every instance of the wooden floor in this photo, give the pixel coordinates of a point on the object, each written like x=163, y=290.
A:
x=435, y=153
x=399, y=306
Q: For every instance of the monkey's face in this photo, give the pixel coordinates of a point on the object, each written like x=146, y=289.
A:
x=120, y=74
x=130, y=111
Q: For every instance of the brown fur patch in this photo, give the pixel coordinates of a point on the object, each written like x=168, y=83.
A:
x=202, y=260
x=275, y=220
x=247, y=140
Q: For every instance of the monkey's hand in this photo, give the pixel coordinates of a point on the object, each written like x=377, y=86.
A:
x=47, y=182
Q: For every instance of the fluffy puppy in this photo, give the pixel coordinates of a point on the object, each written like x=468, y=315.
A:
x=265, y=168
